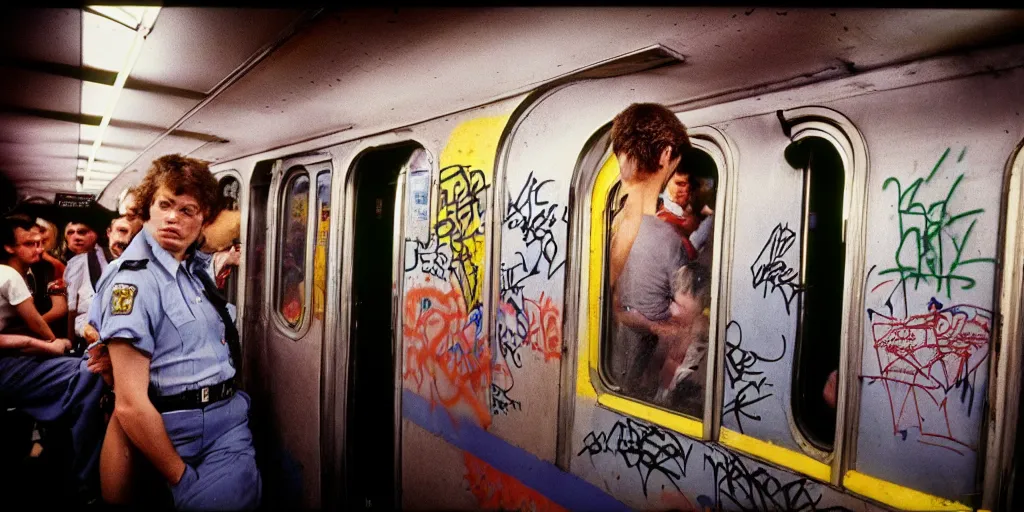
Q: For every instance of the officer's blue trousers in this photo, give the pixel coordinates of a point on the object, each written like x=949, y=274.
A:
x=216, y=444
x=59, y=388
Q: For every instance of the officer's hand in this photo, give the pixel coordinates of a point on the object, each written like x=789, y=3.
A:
x=59, y=346
x=99, y=362
x=91, y=335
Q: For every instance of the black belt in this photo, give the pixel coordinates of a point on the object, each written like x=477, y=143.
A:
x=194, y=399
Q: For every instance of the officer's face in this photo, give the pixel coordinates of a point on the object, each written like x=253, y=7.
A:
x=174, y=221
x=120, y=234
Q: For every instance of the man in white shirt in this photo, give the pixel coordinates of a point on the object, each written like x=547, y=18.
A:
x=45, y=388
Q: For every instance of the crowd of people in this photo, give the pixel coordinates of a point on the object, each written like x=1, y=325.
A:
x=660, y=257
x=127, y=297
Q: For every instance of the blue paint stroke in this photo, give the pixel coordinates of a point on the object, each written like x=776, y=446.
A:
x=565, y=489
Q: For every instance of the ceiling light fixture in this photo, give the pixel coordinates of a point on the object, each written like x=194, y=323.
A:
x=142, y=30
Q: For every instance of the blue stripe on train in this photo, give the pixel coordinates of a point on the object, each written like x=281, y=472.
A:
x=563, y=488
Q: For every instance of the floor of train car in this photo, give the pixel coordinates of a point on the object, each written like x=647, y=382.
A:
x=40, y=482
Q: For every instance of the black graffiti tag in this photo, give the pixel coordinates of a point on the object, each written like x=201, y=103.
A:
x=645, y=447
x=770, y=270
x=745, y=375
x=738, y=487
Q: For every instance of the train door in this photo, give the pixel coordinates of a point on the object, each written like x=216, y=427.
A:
x=286, y=329
x=371, y=432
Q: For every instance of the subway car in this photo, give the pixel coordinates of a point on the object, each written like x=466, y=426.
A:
x=424, y=296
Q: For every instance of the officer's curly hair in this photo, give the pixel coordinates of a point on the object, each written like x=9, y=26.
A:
x=182, y=175
x=642, y=132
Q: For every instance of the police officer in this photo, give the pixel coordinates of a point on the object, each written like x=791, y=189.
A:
x=174, y=349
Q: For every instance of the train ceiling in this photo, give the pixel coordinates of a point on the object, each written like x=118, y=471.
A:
x=222, y=83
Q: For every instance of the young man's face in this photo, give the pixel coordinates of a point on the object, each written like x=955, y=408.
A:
x=131, y=211
x=175, y=221
x=81, y=238
x=28, y=246
x=678, y=189
x=120, y=234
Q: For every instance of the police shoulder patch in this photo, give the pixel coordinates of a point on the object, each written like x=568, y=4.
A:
x=134, y=264
x=122, y=298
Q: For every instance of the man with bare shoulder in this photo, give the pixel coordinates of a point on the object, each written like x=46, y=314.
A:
x=648, y=140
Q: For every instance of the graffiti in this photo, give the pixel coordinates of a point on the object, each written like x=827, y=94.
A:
x=925, y=358
x=745, y=376
x=495, y=490
x=773, y=272
x=446, y=357
x=429, y=257
x=647, y=448
x=460, y=226
x=502, y=383
x=738, y=487
x=933, y=239
x=536, y=218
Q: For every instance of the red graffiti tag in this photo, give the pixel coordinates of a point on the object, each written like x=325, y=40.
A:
x=445, y=359
x=545, y=327
x=925, y=359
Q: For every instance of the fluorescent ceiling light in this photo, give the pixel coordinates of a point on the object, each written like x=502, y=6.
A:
x=114, y=31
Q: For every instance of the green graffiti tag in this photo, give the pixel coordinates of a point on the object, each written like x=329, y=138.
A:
x=932, y=238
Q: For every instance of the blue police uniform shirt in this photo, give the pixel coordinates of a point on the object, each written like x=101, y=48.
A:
x=164, y=311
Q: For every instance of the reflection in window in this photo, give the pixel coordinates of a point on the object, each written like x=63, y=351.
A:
x=323, y=224
x=225, y=263
x=229, y=193
x=656, y=324
x=292, y=250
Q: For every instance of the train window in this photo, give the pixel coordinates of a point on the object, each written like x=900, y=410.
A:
x=323, y=224
x=225, y=263
x=291, y=277
x=821, y=303
x=229, y=193
x=657, y=323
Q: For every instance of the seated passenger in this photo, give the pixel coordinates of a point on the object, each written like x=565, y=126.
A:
x=647, y=140
x=46, y=388
x=50, y=252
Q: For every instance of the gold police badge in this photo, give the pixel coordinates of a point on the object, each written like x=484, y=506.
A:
x=122, y=299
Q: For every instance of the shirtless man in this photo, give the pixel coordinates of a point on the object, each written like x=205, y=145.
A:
x=648, y=141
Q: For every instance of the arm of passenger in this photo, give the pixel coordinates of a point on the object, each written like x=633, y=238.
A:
x=136, y=414
x=33, y=346
x=27, y=311
x=58, y=308
x=700, y=236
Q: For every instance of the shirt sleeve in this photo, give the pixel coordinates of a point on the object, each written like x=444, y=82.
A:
x=13, y=286
x=72, y=276
x=126, y=309
x=700, y=236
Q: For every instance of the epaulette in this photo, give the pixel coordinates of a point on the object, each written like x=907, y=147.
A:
x=133, y=264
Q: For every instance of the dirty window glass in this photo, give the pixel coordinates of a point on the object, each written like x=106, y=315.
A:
x=292, y=250
x=656, y=323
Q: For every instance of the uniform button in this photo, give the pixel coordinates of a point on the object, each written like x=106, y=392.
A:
x=198, y=300
x=222, y=342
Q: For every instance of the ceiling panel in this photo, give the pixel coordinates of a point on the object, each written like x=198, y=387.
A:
x=43, y=35
x=194, y=48
x=151, y=108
